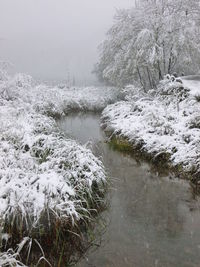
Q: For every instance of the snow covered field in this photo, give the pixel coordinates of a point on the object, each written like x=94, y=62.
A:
x=166, y=121
x=41, y=172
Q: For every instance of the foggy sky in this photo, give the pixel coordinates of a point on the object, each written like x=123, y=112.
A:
x=46, y=38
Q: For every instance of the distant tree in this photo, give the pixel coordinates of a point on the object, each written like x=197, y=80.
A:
x=152, y=39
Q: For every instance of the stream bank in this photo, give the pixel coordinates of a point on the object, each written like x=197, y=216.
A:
x=162, y=124
x=153, y=218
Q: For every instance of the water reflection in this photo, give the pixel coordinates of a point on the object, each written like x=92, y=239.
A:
x=154, y=220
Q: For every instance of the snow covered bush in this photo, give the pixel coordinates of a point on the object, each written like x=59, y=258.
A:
x=166, y=124
x=174, y=87
x=133, y=92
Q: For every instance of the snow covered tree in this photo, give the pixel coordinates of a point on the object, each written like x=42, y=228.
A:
x=153, y=38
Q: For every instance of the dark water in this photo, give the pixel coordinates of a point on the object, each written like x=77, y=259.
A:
x=154, y=220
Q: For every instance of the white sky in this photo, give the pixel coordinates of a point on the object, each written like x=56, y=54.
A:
x=46, y=37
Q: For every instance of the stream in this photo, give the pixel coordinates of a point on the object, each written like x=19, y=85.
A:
x=153, y=218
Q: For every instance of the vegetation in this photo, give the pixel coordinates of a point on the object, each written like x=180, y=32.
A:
x=51, y=188
x=150, y=40
x=161, y=123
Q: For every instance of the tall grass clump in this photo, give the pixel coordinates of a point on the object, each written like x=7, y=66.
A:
x=162, y=123
x=51, y=188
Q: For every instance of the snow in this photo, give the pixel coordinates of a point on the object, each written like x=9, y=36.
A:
x=166, y=120
x=150, y=39
x=56, y=101
x=39, y=167
x=192, y=82
x=10, y=259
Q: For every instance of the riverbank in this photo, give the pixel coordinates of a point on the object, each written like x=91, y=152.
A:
x=152, y=215
x=163, y=125
x=49, y=185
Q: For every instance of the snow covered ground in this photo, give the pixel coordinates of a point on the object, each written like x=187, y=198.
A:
x=167, y=120
x=192, y=82
x=41, y=170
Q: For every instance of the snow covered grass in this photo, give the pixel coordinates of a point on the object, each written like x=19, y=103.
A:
x=55, y=101
x=164, y=122
x=9, y=259
x=46, y=180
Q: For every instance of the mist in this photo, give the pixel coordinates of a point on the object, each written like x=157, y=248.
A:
x=52, y=40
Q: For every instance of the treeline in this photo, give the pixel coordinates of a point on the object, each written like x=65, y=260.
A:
x=149, y=40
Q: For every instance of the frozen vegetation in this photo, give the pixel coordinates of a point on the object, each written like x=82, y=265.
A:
x=149, y=40
x=49, y=182
x=45, y=178
x=161, y=113
x=163, y=123
x=10, y=259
